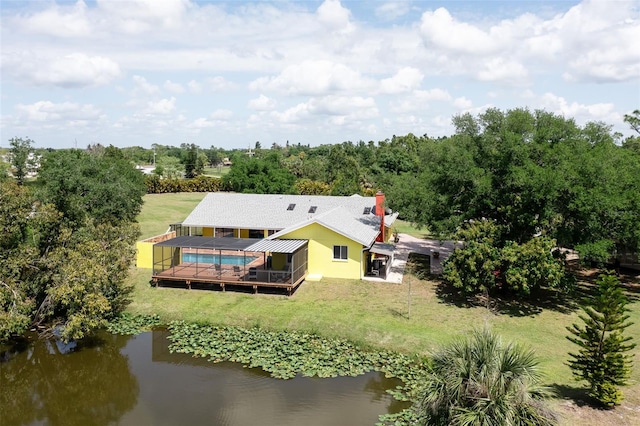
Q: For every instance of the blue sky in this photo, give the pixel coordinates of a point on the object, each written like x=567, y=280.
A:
x=228, y=74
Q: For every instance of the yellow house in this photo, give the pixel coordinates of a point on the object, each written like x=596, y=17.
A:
x=345, y=236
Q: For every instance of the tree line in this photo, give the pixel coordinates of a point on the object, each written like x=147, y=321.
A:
x=67, y=242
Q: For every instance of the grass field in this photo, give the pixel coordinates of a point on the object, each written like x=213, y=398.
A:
x=160, y=210
x=414, y=316
x=216, y=171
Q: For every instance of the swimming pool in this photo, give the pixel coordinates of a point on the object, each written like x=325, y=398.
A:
x=225, y=259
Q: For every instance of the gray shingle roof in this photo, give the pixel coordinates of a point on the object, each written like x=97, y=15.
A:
x=270, y=211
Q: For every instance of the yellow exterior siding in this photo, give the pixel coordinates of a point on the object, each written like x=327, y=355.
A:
x=321, y=242
x=144, y=255
x=207, y=232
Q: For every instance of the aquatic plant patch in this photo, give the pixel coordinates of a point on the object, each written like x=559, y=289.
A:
x=287, y=354
x=127, y=323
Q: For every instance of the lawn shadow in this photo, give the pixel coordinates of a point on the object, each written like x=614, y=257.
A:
x=587, y=277
x=542, y=299
x=397, y=314
x=577, y=395
x=508, y=303
x=419, y=265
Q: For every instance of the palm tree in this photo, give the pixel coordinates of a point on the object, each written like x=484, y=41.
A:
x=479, y=381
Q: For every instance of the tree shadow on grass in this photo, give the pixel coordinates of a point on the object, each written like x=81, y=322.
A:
x=542, y=299
x=577, y=395
x=419, y=265
x=510, y=304
x=587, y=277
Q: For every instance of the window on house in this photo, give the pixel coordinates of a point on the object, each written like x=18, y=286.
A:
x=224, y=232
x=256, y=233
x=340, y=253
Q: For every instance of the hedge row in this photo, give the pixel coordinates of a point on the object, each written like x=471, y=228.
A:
x=155, y=185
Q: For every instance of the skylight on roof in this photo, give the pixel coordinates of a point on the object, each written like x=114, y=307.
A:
x=291, y=206
x=367, y=210
x=312, y=209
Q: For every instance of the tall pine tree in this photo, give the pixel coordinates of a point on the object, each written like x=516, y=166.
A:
x=601, y=359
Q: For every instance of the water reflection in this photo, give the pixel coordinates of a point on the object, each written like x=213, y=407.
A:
x=136, y=381
x=58, y=384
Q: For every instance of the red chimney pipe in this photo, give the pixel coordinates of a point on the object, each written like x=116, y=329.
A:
x=380, y=212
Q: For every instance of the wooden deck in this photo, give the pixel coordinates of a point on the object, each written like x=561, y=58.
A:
x=227, y=276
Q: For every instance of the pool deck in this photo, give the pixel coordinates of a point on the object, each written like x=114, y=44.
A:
x=224, y=276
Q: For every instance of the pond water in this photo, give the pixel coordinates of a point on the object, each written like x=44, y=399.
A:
x=134, y=380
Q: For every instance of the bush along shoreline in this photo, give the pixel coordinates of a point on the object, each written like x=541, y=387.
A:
x=286, y=354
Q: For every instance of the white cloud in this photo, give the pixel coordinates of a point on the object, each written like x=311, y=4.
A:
x=43, y=120
x=142, y=86
x=332, y=14
x=405, y=80
x=144, y=15
x=419, y=100
x=222, y=114
x=262, y=103
x=217, y=118
x=462, y=103
x=336, y=109
x=59, y=21
x=218, y=84
x=47, y=111
x=392, y=10
x=601, y=111
x=441, y=30
x=161, y=107
x=503, y=70
x=194, y=87
x=313, y=77
x=315, y=72
x=173, y=87
x=71, y=70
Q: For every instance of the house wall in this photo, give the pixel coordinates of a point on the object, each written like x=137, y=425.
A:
x=321, y=262
x=207, y=232
x=144, y=254
x=144, y=249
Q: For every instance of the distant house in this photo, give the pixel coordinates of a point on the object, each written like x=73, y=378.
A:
x=299, y=236
x=147, y=170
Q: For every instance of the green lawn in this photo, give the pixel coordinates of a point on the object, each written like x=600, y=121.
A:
x=216, y=171
x=377, y=315
x=404, y=227
x=160, y=210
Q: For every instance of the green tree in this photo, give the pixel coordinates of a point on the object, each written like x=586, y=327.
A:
x=80, y=185
x=633, y=120
x=486, y=263
x=259, y=175
x=533, y=173
x=481, y=381
x=474, y=267
x=66, y=250
x=202, y=161
x=4, y=170
x=168, y=167
x=16, y=308
x=601, y=358
x=190, y=161
x=21, y=163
